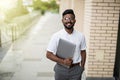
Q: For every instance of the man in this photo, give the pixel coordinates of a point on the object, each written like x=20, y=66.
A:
x=78, y=61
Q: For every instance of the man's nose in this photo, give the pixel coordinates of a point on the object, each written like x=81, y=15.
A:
x=69, y=20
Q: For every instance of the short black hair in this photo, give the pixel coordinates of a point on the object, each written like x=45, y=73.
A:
x=68, y=11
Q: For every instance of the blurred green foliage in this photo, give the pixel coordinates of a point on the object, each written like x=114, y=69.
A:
x=50, y=5
x=18, y=10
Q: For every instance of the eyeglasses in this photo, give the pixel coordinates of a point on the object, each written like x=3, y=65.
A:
x=68, y=19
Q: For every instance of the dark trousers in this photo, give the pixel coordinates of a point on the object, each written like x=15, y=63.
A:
x=63, y=73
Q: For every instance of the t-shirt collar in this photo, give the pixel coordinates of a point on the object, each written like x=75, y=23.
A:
x=67, y=32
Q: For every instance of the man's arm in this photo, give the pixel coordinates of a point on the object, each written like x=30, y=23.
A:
x=54, y=58
x=83, y=55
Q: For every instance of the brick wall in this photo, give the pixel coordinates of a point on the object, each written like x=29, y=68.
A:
x=100, y=28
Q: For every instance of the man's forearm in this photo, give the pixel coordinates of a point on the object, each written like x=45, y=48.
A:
x=54, y=58
x=83, y=55
x=51, y=56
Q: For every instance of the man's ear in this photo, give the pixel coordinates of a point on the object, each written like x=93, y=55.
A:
x=75, y=20
x=62, y=20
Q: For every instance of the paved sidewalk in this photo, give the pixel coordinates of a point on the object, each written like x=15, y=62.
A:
x=26, y=59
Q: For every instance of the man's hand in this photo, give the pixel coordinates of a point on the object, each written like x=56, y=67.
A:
x=68, y=61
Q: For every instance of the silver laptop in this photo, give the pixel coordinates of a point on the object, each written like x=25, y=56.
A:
x=65, y=49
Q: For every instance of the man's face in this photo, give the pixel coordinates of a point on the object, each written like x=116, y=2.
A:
x=68, y=21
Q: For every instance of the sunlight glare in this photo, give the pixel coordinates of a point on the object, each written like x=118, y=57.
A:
x=7, y=4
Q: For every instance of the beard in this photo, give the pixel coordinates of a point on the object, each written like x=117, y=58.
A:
x=69, y=26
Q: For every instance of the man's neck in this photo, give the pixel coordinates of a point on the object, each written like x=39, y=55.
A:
x=69, y=31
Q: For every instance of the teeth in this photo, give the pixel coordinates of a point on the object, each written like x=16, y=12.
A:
x=69, y=24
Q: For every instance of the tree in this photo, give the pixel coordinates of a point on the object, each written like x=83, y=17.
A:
x=45, y=6
x=18, y=10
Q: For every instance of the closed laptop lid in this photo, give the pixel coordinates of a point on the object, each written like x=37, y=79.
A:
x=65, y=49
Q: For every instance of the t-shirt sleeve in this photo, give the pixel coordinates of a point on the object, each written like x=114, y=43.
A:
x=52, y=46
x=83, y=43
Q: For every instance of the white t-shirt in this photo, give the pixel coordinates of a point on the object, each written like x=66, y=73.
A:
x=76, y=37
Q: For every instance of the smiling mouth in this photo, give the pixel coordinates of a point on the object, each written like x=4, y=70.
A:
x=69, y=24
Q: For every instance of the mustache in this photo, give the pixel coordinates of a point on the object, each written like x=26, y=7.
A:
x=68, y=22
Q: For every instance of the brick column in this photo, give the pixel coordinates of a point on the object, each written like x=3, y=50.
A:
x=100, y=27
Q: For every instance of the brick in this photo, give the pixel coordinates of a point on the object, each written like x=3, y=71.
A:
x=102, y=72
x=96, y=63
x=114, y=35
x=104, y=41
x=103, y=4
x=106, y=35
x=92, y=31
x=92, y=38
x=111, y=67
x=95, y=35
x=107, y=28
x=99, y=38
x=102, y=11
x=115, y=22
x=117, y=7
x=109, y=64
x=104, y=61
x=113, y=48
x=107, y=54
x=114, y=4
x=111, y=32
x=110, y=1
x=113, y=12
x=112, y=61
x=114, y=42
x=98, y=69
x=101, y=18
x=115, y=28
x=94, y=4
x=93, y=72
x=97, y=14
x=91, y=57
x=108, y=22
x=97, y=1
x=117, y=1
x=105, y=47
x=107, y=69
x=93, y=18
x=113, y=18
x=92, y=67
x=97, y=8
x=96, y=21
x=95, y=41
x=99, y=44
x=90, y=75
x=107, y=75
x=108, y=8
x=94, y=11
x=101, y=32
x=116, y=14
x=95, y=47
x=93, y=25
x=113, y=45
x=112, y=25
x=108, y=15
x=91, y=51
